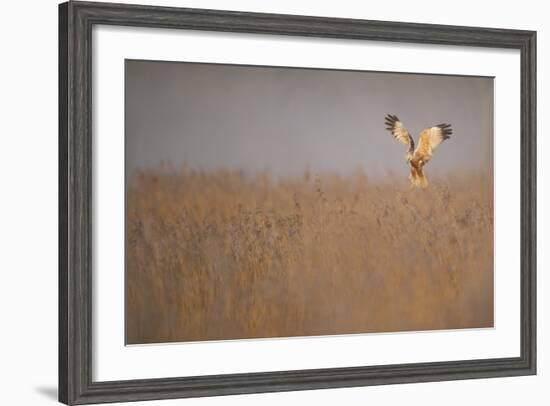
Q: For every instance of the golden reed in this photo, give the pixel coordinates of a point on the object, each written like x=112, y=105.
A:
x=220, y=255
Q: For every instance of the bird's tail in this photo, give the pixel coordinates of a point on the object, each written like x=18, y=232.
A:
x=417, y=178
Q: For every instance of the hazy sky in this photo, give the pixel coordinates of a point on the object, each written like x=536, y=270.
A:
x=285, y=120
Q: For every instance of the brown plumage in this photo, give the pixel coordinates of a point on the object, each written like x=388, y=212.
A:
x=428, y=141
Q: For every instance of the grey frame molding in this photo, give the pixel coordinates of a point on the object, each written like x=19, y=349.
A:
x=76, y=20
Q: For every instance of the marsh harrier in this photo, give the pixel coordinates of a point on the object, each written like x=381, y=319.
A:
x=428, y=141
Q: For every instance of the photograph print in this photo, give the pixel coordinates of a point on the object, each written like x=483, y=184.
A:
x=269, y=202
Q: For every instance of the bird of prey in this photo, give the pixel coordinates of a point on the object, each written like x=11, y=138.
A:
x=428, y=141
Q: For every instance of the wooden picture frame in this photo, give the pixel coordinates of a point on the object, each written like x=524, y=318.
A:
x=76, y=20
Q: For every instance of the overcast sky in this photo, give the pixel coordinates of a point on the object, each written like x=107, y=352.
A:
x=286, y=120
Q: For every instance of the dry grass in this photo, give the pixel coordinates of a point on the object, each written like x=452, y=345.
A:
x=222, y=256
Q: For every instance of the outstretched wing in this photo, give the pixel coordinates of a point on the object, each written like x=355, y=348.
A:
x=430, y=138
x=399, y=131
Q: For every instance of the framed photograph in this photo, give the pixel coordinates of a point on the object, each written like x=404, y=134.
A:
x=257, y=203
